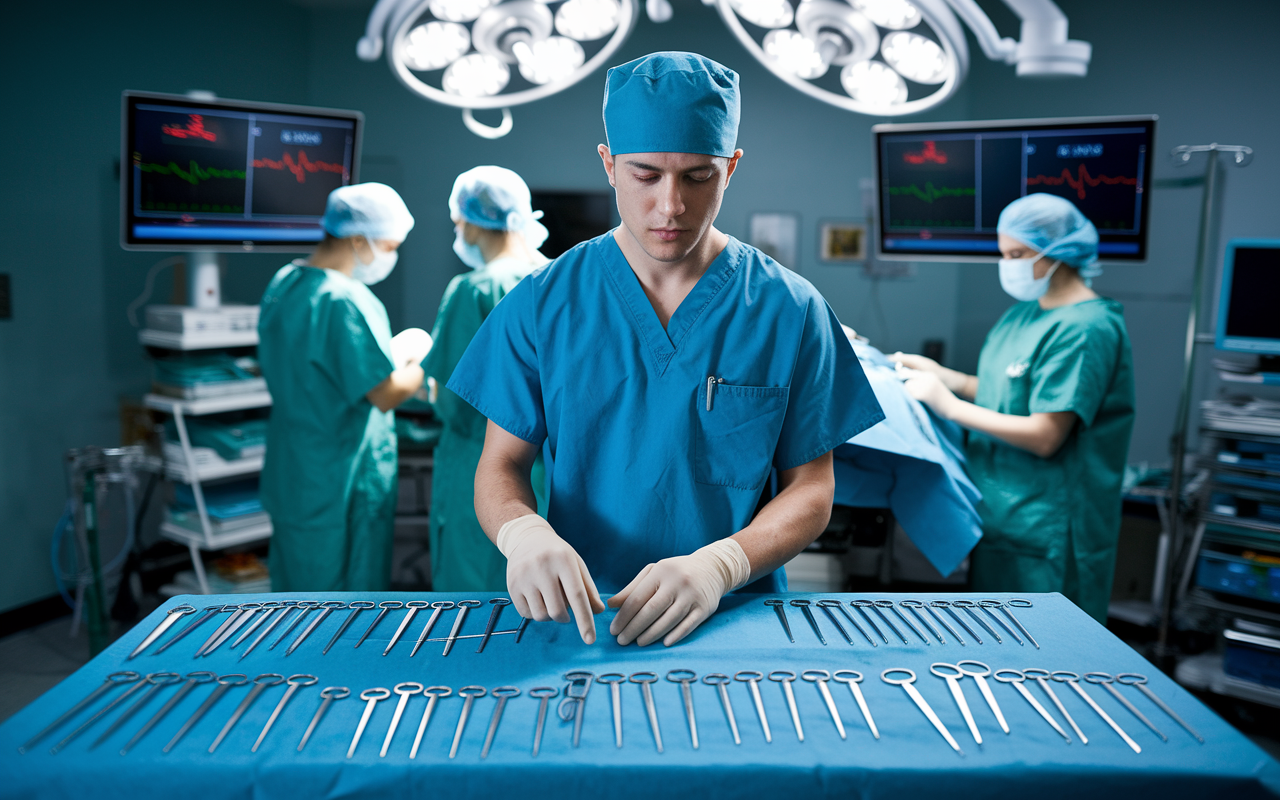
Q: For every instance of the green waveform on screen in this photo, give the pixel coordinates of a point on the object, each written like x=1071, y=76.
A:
x=193, y=174
x=930, y=192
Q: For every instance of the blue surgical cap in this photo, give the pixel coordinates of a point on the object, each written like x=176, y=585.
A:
x=497, y=199
x=372, y=210
x=672, y=103
x=1053, y=226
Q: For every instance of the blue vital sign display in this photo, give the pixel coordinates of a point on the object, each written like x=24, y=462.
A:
x=941, y=187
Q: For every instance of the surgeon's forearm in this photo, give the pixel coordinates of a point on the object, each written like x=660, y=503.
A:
x=1040, y=433
x=791, y=521
x=503, y=489
x=396, y=388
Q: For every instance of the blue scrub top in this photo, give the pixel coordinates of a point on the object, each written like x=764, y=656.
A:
x=644, y=470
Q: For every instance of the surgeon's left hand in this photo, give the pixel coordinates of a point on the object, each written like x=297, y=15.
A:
x=669, y=599
x=927, y=388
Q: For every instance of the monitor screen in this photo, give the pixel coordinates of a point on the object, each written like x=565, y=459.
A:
x=573, y=217
x=1247, y=318
x=229, y=175
x=941, y=187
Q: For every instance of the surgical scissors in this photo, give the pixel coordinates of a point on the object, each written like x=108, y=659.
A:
x=921, y=703
x=862, y=606
x=803, y=605
x=405, y=690
x=385, y=606
x=614, y=681
x=470, y=693
x=969, y=606
x=158, y=681
x=786, y=677
x=752, y=678
x=980, y=675
x=953, y=683
x=356, y=607
x=646, y=681
x=503, y=693
x=543, y=695
x=986, y=606
x=826, y=606
x=720, y=681
x=260, y=685
x=1041, y=676
x=780, y=606
x=224, y=685
x=171, y=616
x=371, y=698
x=889, y=605
x=915, y=606
x=328, y=694
x=574, y=702
x=326, y=608
x=193, y=678
x=852, y=678
x=433, y=694
x=436, y=608
x=1017, y=678
x=684, y=677
x=946, y=606
x=1066, y=676
x=1106, y=681
x=295, y=682
x=412, y=606
x=111, y=681
x=820, y=677
x=1140, y=682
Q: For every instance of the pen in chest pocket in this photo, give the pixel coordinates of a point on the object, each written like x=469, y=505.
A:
x=711, y=389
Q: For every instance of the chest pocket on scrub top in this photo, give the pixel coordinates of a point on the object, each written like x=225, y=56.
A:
x=736, y=433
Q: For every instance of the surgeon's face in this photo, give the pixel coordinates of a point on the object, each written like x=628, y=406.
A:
x=668, y=201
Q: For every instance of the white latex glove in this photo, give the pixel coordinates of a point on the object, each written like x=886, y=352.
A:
x=672, y=597
x=546, y=577
x=410, y=346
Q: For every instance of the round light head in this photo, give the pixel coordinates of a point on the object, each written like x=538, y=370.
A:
x=842, y=35
x=436, y=45
x=915, y=57
x=458, y=10
x=588, y=20
x=549, y=60
x=895, y=15
x=765, y=13
x=476, y=75
x=795, y=53
x=874, y=84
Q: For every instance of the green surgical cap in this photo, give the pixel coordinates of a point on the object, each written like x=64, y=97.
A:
x=672, y=103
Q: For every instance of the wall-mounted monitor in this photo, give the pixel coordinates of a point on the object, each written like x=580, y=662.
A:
x=229, y=175
x=1248, y=320
x=941, y=186
x=573, y=217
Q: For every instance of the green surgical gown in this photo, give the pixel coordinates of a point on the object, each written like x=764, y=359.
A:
x=1051, y=524
x=463, y=559
x=329, y=481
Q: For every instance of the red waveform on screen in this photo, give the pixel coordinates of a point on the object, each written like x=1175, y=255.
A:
x=1081, y=180
x=300, y=167
x=929, y=153
x=194, y=129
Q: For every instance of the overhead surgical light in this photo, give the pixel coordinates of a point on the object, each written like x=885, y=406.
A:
x=896, y=57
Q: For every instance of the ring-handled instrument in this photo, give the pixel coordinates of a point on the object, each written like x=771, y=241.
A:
x=412, y=606
x=384, y=607
x=862, y=606
x=907, y=684
x=304, y=607
x=721, y=682
x=1106, y=680
x=295, y=682
x=102, y=712
x=247, y=612
x=503, y=693
x=1072, y=679
x=260, y=685
x=969, y=606
x=851, y=677
x=171, y=616
x=987, y=606
x=268, y=609
x=327, y=695
x=286, y=609
x=543, y=694
x=686, y=677
x=780, y=606
x=952, y=675
x=371, y=698
x=356, y=607
x=498, y=604
x=225, y=683
x=524, y=623
x=433, y=694
x=157, y=681
x=1041, y=676
x=463, y=607
x=786, y=677
x=848, y=617
x=979, y=672
x=193, y=679
x=470, y=693
x=326, y=608
x=889, y=604
x=945, y=605
x=1017, y=678
x=803, y=605
x=405, y=690
x=876, y=605
x=614, y=680
x=213, y=637
x=820, y=677
x=646, y=681
x=1019, y=602
x=752, y=679
x=826, y=606
x=1140, y=682
x=915, y=606
x=110, y=682
x=209, y=613
x=436, y=608
x=574, y=702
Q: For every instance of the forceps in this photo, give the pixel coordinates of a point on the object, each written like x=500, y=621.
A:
x=111, y=681
x=969, y=606
x=1065, y=676
x=826, y=606
x=876, y=606
x=575, y=700
x=295, y=682
x=921, y=703
x=436, y=608
x=247, y=611
x=543, y=694
x=470, y=693
x=287, y=608
x=260, y=685
x=852, y=678
x=498, y=604
x=1018, y=602
x=405, y=690
x=614, y=680
x=193, y=678
x=502, y=693
x=862, y=606
x=235, y=613
x=224, y=684
x=987, y=605
x=953, y=683
x=158, y=681
x=327, y=608
x=269, y=608
x=463, y=607
x=843, y=612
x=720, y=681
x=780, y=606
x=980, y=675
x=385, y=606
x=684, y=677
x=946, y=606
x=1106, y=680
x=170, y=617
x=209, y=613
x=413, y=606
x=101, y=712
x=1017, y=678
x=328, y=695
x=646, y=681
x=785, y=677
x=356, y=607
x=889, y=605
x=1140, y=681
x=371, y=698
x=433, y=693
x=915, y=606
x=1041, y=676
x=306, y=606
x=820, y=678
x=752, y=679
x=803, y=605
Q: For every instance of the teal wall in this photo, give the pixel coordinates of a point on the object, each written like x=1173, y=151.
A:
x=70, y=353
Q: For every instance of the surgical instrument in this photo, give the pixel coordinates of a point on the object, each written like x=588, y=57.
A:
x=295, y=682
x=209, y=613
x=876, y=605
x=412, y=606
x=385, y=606
x=463, y=607
x=980, y=675
x=502, y=693
x=1065, y=676
x=260, y=685
x=306, y=606
x=780, y=606
x=852, y=678
x=946, y=606
x=969, y=606
x=173, y=615
x=889, y=605
x=543, y=694
x=288, y=608
x=235, y=614
x=1106, y=681
x=821, y=677
x=803, y=605
x=915, y=607
x=1018, y=602
x=524, y=623
x=845, y=613
x=270, y=608
x=436, y=608
x=646, y=680
x=433, y=694
x=752, y=679
x=575, y=700
x=356, y=607
x=953, y=683
x=614, y=681
x=224, y=684
x=326, y=608
x=720, y=681
x=1140, y=681
x=405, y=690
x=84, y=726
x=1041, y=676
x=1017, y=678
x=158, y=681
x=193, y=678
x=247, y=611
x=921, y=703
x=109, y=683
x=371, y=698
x=785, y=677
x=328, y=694
x=470, y=693
x=498, y=604
x=826, y=606
x=986, y=606
x=684, y=677
x=862, y=606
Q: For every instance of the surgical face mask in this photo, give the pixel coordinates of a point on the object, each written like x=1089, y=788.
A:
x=375, y=271
x=469, y=253
x=1017, y=278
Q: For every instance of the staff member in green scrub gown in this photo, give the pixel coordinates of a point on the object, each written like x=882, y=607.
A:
x=498, y=236
x=326, y=351
x=1051, y=412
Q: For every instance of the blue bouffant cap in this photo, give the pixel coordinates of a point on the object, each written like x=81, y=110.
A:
x=1055, y=228
x=672, y=103
x=372, y=210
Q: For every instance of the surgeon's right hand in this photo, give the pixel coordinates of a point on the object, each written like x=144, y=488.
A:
x=546, y=577
x=952, y=379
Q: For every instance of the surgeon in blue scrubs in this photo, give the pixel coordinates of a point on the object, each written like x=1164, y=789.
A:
x=669, y=368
